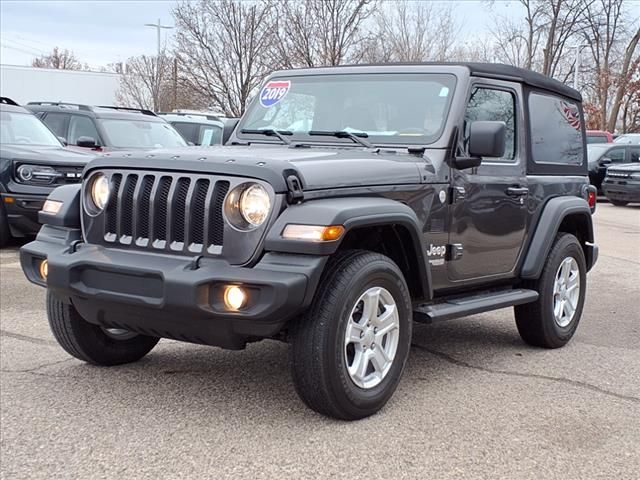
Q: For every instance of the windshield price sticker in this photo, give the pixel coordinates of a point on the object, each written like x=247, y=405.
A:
x=273, y=92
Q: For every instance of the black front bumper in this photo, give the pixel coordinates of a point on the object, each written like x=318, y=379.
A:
x=622, y=190
x=172, y=296
x=22, y=213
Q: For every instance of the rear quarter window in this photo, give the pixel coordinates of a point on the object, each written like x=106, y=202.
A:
x=556, y=131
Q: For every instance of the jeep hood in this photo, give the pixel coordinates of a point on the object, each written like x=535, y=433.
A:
x=318, y=167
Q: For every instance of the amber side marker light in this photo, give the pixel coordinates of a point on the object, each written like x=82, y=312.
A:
x=9, y=199
x=313, y=233
x=44, y=269
x=234, y=297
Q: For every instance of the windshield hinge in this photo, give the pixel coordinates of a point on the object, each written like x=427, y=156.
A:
x=294, y=185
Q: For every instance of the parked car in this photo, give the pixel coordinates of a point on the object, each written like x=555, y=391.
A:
x=599, y=136
x=197, y=128
x=33, y=162
x=622, y=184
x=601, y=156
x=348, y=202
x=631, y=138
x=107, y=128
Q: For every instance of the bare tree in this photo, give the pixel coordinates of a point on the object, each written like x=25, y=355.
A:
x=320, y=32
x=145, y=83
x=409, y=31
x=59, y=59
x=225, y=49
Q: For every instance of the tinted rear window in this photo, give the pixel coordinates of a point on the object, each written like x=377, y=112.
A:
x=556, y=130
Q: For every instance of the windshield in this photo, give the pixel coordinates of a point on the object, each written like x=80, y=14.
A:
x=18, y=128
x=395, y=108
x=124, y=133
x=633, y=139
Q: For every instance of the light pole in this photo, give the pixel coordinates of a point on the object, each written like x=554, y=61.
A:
x=577, y=63
x=158, y=26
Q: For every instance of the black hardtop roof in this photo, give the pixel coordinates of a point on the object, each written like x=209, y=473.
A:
x=497, y=71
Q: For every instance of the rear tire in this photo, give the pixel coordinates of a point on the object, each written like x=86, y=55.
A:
x=349, y=349
x=5, y=232
x=91, y=343
x=618, y=203
x=551, y=321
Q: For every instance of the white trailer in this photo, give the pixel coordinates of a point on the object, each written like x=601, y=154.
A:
x=29, y=84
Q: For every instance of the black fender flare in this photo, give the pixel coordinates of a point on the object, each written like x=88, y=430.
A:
x=352, y=213
x=548, y=225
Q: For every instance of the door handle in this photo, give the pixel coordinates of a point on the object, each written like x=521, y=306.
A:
x=517, y=191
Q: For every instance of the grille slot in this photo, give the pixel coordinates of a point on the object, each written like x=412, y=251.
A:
x=166, y=212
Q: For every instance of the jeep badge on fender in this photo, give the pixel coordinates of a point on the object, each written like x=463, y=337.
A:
x=348, y=203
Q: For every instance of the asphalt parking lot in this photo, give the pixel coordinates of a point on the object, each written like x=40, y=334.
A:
x=475, y=402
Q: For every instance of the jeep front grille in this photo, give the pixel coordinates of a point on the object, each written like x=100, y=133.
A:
x=165, y=211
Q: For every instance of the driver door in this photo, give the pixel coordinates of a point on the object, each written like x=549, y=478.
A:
x=488, y=210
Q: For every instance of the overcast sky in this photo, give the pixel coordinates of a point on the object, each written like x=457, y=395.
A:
x=101, y=32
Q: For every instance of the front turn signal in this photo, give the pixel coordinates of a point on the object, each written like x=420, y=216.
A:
x=313, y=233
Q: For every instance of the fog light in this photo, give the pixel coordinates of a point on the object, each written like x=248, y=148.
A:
x=44, y=269
x=234, y=297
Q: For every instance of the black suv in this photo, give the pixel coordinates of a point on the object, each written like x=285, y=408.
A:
x=349, y=202
x=622, y=184
x=107, y=128
x=32, y=163
x=603, y=155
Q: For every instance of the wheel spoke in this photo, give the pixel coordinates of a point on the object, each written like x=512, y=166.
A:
x=557, y=310
x=354, y=333
x=566, y=270
x=371, y=301
x=361, y=364
x=379, y=360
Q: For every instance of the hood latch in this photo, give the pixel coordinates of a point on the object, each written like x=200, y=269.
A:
x=295, y=193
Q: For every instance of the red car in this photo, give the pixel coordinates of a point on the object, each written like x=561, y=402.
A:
x=599, y=136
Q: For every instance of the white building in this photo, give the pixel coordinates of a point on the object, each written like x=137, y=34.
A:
x=29, y=84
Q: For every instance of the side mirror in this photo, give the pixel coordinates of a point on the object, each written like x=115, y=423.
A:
x=229, y=127
x=86, y=142
x=605, y=161
x=63, y=141
x=487, y=139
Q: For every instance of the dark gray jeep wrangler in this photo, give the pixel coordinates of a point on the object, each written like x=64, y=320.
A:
x=348, y=203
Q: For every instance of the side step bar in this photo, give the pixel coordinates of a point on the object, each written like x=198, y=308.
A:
x=476, y=303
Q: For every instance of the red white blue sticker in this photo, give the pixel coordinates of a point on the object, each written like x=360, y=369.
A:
x=273, y=92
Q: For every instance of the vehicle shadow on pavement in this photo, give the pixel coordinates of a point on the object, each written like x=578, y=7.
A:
x=256, y=382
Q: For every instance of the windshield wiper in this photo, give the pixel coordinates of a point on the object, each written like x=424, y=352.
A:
x=357, y=137
x=270, y=132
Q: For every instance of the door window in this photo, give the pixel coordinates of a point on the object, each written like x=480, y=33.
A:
x=494, y=105
x=81, y=126
x=616, y=155
x=635, y=154
x=57, y=122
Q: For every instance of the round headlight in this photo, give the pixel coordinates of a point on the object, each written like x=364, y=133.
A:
x=25, y=172
x=100, y=191
x=255, y=205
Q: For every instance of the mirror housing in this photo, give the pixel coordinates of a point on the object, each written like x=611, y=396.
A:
x=487, y=139
x=605, y=161
x=86, y=142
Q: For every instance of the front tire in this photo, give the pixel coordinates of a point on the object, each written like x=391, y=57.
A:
x=349, y=349
x=551, y=321
x=91, y=343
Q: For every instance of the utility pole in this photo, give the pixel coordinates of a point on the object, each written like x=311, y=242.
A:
x=576, y=68
x=158, y=26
